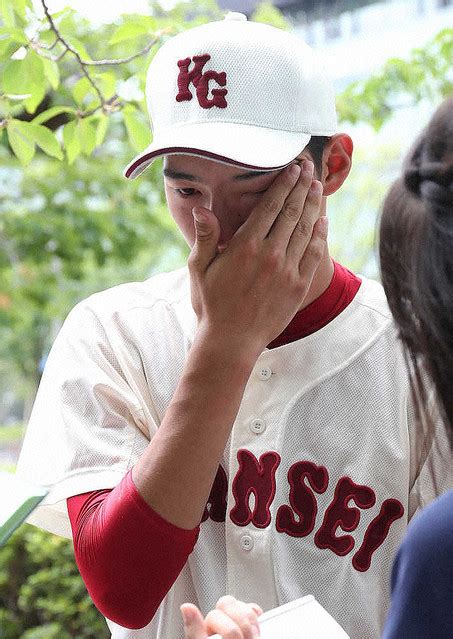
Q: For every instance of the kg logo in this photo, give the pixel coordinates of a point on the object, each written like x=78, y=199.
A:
x=200, y=81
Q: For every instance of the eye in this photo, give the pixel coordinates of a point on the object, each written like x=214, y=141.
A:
x=188, y=192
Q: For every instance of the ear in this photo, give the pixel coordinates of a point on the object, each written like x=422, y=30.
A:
x=337, y=162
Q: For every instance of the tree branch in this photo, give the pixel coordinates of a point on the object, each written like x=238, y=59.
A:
x=67, y=47
x=91, y=63
x=108, y=62
x=103, y=63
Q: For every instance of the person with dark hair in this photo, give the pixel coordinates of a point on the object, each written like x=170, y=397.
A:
x=242, y=425
x=416, y=258
x=416, y=255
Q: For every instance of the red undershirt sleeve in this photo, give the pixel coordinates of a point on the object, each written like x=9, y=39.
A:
x=128, y=556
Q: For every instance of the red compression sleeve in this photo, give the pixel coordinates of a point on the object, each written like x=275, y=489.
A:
x=128, y=556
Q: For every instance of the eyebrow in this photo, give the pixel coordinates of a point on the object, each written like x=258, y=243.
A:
x=179, y=175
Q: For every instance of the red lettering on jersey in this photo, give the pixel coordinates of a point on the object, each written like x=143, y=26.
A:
x=340, y=514
x=302, y=500
x=257, y=477
x=200, y=81
x=217, y=502
x=376, y=533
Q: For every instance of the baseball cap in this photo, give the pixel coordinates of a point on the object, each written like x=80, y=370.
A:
x=239, y=92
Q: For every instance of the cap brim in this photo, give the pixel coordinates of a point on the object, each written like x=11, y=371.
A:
x=250, y=147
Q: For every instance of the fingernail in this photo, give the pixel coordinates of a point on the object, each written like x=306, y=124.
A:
x=256, y=609
x=294, y=170
x=199, y=215
x=316, y=187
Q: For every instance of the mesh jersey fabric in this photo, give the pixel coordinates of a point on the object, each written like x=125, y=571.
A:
x=107, y=526
x=336, y=400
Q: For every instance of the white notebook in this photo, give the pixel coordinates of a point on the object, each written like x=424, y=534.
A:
x=17, y=499
x=303, y=618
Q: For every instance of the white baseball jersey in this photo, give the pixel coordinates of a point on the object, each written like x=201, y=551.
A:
x=323, y=469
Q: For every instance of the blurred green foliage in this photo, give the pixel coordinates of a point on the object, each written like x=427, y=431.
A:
x=71, y=225
x=11, y=434
x=267, y=13
x=65, y=234
x=42, y=595
x=427, y=73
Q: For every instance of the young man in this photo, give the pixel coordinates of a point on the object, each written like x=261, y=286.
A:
x=242, y=426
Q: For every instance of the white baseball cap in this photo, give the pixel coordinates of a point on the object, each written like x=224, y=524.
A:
x=239, y=92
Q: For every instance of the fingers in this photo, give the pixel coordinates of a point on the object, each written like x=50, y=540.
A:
x=293, y=209
x=303, y=229
x=194, y=624
x=314, y=252
x=265, y=213
x=207, y=234
x=256, y=609
x=231, y=619
x=236, y=617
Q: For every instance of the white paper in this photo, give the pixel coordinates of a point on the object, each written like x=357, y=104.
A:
x=302, y=618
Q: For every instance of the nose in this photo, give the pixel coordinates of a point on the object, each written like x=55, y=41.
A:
x=228, y=212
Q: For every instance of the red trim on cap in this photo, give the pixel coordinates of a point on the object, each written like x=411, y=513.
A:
x=190, y=151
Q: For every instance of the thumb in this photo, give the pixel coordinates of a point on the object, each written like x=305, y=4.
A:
x=207, y=234
x=194, y=625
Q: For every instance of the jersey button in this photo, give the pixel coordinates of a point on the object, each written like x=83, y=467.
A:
x=264, y=373
x=246, y=542
x=257, y=426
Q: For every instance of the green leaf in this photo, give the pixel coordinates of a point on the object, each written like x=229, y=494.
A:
x=101, y=129
x=32, y=103
x=138, y=131
x=15, y=78
x=131, y=30
x=7, y=48
x=51, y=113
x=25, y=76
x=78, y=46
x=71, y=141
x=87, y=132
x=83, y=91
x=51, y=72
x=107, y=83
x=20, y=7
x=267, y=13
x=7, y=13
x=46, y=140
x=13, y=34
x=34, y=68
x=65, y=14
x=21, y=143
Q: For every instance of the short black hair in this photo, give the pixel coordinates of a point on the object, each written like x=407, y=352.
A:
x=316, y=148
